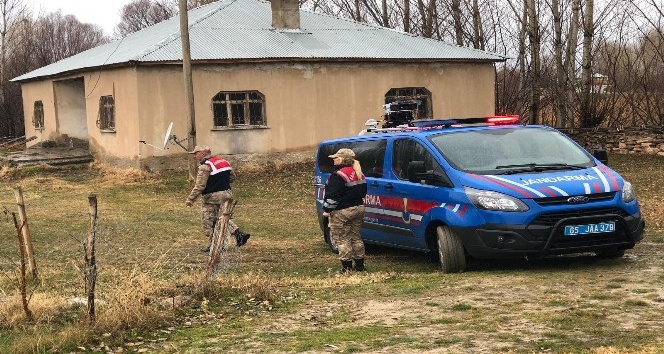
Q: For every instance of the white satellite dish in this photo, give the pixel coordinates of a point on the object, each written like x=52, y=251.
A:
x=167, y=138
x=168, y=135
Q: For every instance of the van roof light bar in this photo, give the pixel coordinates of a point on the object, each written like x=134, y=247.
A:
x=503, y=120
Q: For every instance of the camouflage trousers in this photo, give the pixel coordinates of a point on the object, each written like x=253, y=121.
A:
x=210, y=212
x=345, y=227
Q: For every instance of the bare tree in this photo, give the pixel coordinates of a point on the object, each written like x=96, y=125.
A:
x=586, y=63
x=570, y=60
x=478, y=31
x=59, y=36
x=458, y=26
x=558, y=58
x=29, y=44
x=139, y=14
x=12, y=11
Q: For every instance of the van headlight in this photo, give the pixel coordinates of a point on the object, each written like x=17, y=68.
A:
x=490, y=200
x=628, y=193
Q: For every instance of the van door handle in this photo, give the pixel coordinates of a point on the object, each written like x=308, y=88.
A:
x=374, y=184
x=389, y=186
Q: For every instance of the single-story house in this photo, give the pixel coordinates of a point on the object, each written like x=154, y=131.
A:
x=267, y=77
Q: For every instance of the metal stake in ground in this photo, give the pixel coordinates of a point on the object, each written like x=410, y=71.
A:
x=223, y=250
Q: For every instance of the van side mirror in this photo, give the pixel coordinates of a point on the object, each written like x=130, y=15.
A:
x=415, y=168
x=417, y=173
x=601, y=155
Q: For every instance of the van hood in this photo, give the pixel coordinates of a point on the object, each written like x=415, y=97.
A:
x=593, y=180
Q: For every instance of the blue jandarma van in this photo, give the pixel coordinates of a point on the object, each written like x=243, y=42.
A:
x=486, y=188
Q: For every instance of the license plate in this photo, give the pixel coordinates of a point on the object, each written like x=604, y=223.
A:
x=598, y=228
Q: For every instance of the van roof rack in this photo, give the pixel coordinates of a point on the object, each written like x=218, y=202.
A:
x=431, y=124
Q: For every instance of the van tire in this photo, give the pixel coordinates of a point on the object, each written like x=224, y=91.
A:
x=326, y=234
x=450, y=251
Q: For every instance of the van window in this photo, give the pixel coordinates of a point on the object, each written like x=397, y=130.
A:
x=370, y=153
x=407, y=150
x=491, y=150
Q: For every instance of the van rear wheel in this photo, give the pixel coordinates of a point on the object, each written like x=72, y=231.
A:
x=450, y=251
x=328, y=239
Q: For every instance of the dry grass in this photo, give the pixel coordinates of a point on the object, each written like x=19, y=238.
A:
x=112, y=175
x=285, y=294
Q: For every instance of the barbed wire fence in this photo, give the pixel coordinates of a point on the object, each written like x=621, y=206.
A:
x=225, y=253
x=68, y=254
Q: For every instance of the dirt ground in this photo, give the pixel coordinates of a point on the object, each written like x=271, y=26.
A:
x=513, y=305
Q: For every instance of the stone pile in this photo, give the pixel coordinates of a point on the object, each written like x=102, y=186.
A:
x=629, y=141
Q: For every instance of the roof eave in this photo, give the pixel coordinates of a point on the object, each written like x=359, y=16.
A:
x=259, y=61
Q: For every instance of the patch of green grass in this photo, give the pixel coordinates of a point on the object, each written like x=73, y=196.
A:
x=447, y=341
x=446, y=320
x=643, y=291
x=345, y=337
x=636, y=303
x=601, y=296
x=558, y=302
x=461, y=307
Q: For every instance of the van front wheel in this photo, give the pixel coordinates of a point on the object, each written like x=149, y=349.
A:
x=450, y=251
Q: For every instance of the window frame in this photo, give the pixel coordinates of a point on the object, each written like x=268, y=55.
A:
x=422, y=94
x=106, y=115
x=38, y=115
x=225, y=108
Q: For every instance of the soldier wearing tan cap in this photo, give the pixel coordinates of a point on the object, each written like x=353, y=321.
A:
x=344, y=206
x=213, y=184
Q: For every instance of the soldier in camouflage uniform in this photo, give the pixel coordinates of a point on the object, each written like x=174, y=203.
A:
x=213, y=183
x=343, y=204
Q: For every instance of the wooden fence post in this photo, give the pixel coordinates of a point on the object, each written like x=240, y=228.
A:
x=25, y=231
x=90, y=262
x=220, y=238
x=21, y=248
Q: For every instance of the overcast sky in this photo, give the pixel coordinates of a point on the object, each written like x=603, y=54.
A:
x=105, y=13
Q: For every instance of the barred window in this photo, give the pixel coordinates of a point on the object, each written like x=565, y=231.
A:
x=106, y=117
x=38, y=115
x=238, y=108
x=421, y=94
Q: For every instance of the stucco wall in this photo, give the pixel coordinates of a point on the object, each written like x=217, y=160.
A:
x=63, y=102
x=305, y=103
x=39, y=91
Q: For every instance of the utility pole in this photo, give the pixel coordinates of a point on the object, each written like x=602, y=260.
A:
x=188, y=85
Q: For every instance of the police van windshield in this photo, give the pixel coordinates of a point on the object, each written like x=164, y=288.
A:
x=511, y=150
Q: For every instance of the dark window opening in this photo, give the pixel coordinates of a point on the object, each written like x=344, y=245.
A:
x=231, y=109
x=38, y=115
x=106, y=116
x=424, y=111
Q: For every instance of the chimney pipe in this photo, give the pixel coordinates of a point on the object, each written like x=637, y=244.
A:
x=285, y=14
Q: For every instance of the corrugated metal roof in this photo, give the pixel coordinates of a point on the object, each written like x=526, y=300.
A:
x=242, y=29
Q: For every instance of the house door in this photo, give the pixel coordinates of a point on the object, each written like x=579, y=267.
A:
x=70, y=111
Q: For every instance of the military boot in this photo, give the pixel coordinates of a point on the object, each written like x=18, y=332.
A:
x=346, y=267
x=241, y=237
x=359, y=265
